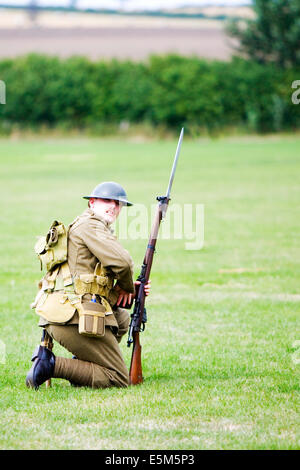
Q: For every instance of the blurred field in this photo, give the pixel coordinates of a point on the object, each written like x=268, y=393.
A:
x=106, y=36
x=220, y=357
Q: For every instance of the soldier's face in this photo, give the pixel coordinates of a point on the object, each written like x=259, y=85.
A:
x=108, y=209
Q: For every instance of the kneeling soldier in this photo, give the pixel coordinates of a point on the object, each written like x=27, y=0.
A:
x=89, y=276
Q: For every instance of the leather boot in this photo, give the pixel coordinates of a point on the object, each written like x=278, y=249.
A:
x=42, y=368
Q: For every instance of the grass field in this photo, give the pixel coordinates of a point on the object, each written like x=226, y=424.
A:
x=220, y=356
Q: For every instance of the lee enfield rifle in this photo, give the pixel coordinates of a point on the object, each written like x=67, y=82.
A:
x=138, y=316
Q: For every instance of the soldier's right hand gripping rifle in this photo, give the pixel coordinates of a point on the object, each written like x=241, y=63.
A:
x=138, y=317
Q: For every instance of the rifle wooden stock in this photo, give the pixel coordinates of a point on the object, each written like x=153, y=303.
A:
x=135, y=372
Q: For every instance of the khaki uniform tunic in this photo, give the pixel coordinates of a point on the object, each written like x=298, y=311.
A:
x=99, y=360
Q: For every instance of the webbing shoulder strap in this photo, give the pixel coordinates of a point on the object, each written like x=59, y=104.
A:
x=66, y=274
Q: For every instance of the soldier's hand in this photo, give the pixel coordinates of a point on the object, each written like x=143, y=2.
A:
x=124, y=296
x=147, y=287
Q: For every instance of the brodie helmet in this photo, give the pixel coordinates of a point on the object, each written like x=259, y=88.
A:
x=110, y=190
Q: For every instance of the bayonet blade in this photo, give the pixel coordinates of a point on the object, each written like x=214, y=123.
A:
x=175, y=163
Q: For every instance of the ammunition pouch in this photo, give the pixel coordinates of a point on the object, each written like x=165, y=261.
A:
x=52, y=249
x=99, y=283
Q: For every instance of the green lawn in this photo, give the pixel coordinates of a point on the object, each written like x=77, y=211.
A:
x=220, y=357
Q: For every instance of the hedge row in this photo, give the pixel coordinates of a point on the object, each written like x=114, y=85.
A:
x=167, y=90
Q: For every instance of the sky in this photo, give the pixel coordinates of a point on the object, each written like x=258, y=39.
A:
x=128, y=4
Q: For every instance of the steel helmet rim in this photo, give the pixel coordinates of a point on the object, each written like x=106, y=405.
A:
x=124, y=201
x=110, y=190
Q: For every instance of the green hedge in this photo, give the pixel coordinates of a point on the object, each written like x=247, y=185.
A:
x=167, y=90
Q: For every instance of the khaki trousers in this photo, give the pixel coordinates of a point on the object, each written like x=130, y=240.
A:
x=99, y=362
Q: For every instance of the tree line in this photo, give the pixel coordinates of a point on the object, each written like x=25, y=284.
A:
x=166, y=90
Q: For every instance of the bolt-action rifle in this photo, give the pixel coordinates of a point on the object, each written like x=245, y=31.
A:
x=139, y=316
